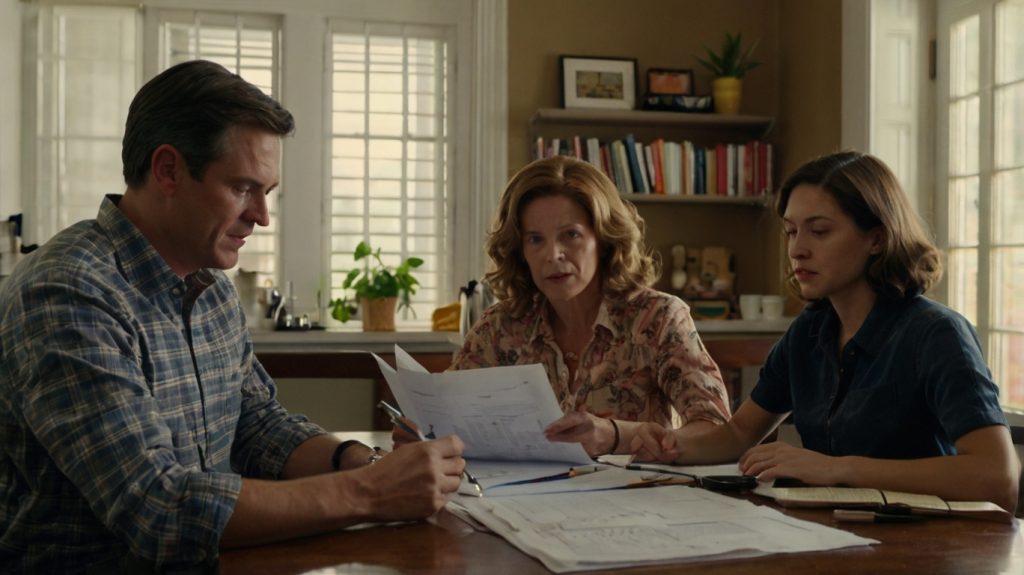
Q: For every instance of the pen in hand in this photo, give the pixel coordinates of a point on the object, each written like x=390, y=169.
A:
x=398, y=420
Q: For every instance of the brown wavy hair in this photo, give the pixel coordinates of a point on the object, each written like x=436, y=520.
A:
x=626, y=263
x=867, y=191
x=192, y=106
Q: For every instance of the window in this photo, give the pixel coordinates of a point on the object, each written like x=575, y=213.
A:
x=87, y=72
x=981, y=198
x=399, y=106
x=248, y=45
x=389, y=146
x=902, y=114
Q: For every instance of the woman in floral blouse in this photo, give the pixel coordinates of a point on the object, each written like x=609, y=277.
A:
x=571, y=273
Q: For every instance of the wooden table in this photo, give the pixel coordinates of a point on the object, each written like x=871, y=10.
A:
x=446, y=545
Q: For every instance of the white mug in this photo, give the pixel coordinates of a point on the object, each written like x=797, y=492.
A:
x=771, y=306
x=750, y=306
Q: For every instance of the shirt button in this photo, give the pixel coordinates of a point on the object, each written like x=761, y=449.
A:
x=176, y=291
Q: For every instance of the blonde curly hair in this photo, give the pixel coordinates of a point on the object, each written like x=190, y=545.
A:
x=626, y=263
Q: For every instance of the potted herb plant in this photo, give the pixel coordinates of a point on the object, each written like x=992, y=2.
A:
x=728, y=68
x=378, y=290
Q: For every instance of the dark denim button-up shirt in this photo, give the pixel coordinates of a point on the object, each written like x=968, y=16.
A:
x=910, y=382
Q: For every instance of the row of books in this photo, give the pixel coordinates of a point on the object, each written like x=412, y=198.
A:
x=672, y=168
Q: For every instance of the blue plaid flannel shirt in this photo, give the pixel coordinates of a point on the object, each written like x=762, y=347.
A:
x=125, y=428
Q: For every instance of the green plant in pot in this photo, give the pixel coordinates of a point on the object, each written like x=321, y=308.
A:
x=728, y=68
x=377, y=288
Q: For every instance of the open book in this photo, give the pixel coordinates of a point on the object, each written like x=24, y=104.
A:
x=866, y=498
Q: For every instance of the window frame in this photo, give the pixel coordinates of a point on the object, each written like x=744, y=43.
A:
x=987, y=323
x=340, y=263
x=479, y=116
x=206, y=19
x=860, y=50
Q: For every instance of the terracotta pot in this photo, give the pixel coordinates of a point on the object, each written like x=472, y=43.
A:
x=727, y=93
x=379, y=313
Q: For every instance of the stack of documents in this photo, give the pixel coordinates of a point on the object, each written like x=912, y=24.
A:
x=619, y=528
x=586, y=521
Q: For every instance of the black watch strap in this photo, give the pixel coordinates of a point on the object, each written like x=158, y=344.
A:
x=340, y=450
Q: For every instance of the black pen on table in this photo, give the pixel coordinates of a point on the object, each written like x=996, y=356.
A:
x=659, y=469
x=398, y=419
x=863, y=516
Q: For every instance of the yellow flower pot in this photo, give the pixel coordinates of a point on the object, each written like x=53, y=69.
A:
x=379, y=313
x=727, y=93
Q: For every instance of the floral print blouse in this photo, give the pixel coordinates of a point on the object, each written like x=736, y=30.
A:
x=644, y=362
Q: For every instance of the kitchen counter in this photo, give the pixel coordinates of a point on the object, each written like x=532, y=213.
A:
x=418, y=338
x=415, y=340
x=341, y=354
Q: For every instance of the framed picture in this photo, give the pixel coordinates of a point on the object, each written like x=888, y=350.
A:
x=608, y=83
x=668, y=82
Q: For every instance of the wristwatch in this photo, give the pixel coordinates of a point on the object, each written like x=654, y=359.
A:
x=376, y=455
x=340, y=450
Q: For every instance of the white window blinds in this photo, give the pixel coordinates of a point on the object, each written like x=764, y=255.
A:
x=248, y=45
x=87, y=73
x=388, y=142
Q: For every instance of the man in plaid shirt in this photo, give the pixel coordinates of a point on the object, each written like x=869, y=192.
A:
x=137, y=429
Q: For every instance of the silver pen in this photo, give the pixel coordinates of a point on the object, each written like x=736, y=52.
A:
x=399, y=421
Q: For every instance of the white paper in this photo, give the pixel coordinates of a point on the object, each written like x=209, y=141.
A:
x=619, y=528
x=499, y=412
x=503, y=478
x=406, y=362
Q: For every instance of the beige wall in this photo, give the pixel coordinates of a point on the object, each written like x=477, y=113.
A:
x=809, y=117
x=809, y=120
x=798, y=83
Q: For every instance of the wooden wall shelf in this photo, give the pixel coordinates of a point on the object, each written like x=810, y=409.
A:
x=624, y=121
x=751, y=201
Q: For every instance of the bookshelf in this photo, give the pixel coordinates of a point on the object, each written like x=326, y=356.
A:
x=703, y=131
x=744, y=224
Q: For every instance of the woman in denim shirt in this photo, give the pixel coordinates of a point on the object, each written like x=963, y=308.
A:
x=887, y=388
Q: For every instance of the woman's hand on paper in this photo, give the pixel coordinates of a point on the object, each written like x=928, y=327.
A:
x=595, y=433
x=654, y=442
x=777, y=459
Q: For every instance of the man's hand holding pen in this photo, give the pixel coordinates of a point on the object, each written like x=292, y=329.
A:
x=405, y=432
x=401, y=436
x=410, y=483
